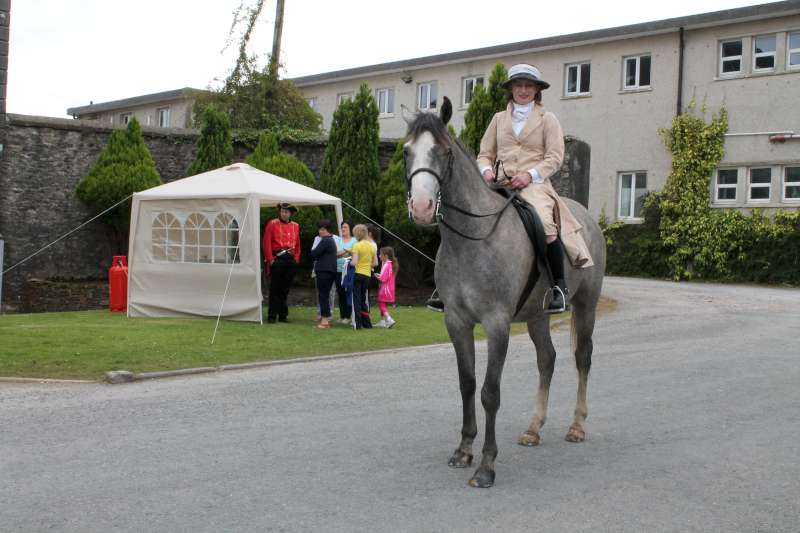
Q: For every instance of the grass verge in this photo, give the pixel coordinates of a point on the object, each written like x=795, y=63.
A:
x=86, y=344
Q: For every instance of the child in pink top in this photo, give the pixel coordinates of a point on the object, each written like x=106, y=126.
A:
x=386, y=290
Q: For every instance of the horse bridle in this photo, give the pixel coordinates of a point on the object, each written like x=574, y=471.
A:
x=439, y=216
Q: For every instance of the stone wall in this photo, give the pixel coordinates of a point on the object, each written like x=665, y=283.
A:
x=44, y=159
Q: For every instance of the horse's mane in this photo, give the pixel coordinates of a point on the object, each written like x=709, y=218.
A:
x=431, y=123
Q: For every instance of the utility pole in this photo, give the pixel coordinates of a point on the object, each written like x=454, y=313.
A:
x=274, y=60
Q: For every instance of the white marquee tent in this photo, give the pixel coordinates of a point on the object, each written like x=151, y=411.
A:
x=195, y=243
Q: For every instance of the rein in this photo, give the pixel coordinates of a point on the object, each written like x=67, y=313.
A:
x=441, y=203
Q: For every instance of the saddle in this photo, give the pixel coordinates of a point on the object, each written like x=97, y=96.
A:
x=535, y=230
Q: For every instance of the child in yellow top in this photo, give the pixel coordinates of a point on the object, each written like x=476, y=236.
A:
x=364, y=258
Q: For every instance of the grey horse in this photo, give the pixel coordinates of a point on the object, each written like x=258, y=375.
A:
x=482, y=268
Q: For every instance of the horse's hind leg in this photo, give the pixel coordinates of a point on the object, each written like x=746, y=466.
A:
x=539, y=331
x=463, y=339
x=583, y=316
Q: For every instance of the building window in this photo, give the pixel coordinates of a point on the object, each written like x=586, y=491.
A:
x=426, y=95
x=312, y=103
x=632, y=189
x=637, y=72
x=760, y=184
x=764, y=53
x=468, y=88
x=726, y=184
x=793, y=50
x=730, y=57
x=791, y=183
x=124, y=118
x=341, y=97
x=577, y=79
x=385, y=99
x=163, y=117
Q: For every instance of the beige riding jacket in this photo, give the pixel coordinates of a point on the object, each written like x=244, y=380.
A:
x=540, y=146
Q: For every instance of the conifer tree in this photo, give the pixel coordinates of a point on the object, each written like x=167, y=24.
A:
x=350, y=169
x=124, y=167
x=268, y=158
x=215, y=146
x=485, y=103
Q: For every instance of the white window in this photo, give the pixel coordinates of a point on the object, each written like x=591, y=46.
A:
x=198, y=240
x=730, y=57
x=577, y=79
x=341, y=97
x=637, y=72
x=791, y=183
x=726, y=185
x=312, y=103
x=124, y=118
x=226, y=239
x=632, y=189
x=760, y=184
x=793, y=50
x=426, y=95
x=468, y=87
x=163, y=117
x=166, y=238
x=764, y=53
x=385, y=99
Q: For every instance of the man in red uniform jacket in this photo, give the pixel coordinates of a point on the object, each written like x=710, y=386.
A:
x=281, y=244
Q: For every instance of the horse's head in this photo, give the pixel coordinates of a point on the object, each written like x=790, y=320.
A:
x=428, y=155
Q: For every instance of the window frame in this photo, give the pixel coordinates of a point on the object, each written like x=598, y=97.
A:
x=638, y=86
x=739, y=58
x=578, y=79
x=168, y=114
x=718, y=186
x=790, y=51
x=389, y=100
x=757, y=55
x=428, y=84
x=631, y=217
x=474, y=80
x=124, y=118
x=341, y=97
x=784, y=185
x=312, y=103
x=767, y=186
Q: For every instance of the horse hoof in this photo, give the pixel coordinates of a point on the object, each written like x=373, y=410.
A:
x=575, y=434
x=529, y=439
x=460, y=459
x=483, y=478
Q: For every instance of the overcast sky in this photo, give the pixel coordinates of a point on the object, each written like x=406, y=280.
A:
x=64, y=53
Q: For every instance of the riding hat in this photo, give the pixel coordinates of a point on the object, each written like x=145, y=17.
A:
x=286, y=205
x=521, y=71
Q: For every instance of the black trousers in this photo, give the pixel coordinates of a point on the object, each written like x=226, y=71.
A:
x=281, y=276
x=324, y=284
x=345, y=310
x=360, y=304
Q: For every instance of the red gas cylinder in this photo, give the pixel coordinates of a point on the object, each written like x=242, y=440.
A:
x=118, y=284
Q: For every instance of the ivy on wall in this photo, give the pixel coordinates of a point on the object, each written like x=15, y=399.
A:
x=683, y=237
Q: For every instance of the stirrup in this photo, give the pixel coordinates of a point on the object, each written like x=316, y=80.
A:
x=435, y=303
x=554, y=292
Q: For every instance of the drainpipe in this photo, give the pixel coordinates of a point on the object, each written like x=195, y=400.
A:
x=681, y=46
x=783, y=137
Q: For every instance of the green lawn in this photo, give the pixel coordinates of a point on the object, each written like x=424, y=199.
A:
x=85, y=345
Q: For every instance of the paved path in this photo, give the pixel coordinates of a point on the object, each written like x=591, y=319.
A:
x=694, y=426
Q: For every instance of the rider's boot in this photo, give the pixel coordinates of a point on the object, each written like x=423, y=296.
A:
x=559, y=292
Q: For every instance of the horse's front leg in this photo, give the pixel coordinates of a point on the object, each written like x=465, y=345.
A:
x=462, y=335
x=497, y=337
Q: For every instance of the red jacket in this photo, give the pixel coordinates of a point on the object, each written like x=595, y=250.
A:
x=281, y=236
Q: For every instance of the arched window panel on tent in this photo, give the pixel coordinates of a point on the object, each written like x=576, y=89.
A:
x=198, y=239
x=226, y=239
x=167, y=238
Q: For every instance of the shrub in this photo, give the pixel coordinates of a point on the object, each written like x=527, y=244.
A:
x=124, y=167
x=215, y=147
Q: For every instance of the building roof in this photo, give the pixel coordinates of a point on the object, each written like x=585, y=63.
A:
x=176, y=94
x=703, y=20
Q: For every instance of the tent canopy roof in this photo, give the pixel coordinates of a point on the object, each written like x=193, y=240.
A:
x=236, y=181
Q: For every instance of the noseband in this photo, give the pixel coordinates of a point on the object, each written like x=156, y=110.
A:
x=438, y=215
